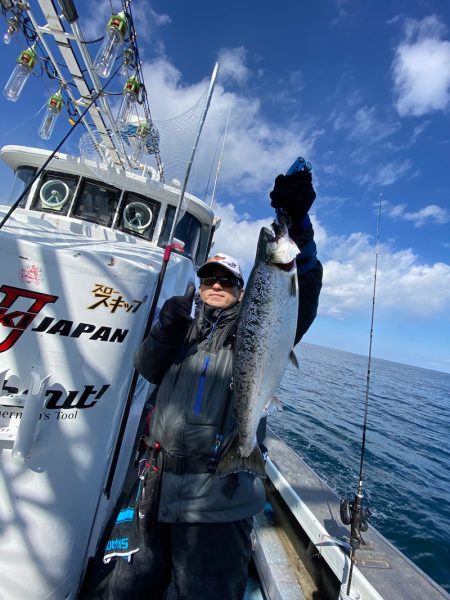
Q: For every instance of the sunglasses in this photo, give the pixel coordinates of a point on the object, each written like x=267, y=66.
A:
x=225, y=282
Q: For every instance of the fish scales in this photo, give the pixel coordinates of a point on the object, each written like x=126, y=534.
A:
x=264, y=340
x=265, y=337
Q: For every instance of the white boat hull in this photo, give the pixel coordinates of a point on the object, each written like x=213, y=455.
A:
x=73, y=304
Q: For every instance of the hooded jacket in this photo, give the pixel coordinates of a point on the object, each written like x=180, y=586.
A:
x=194, y=403
x=195, y=417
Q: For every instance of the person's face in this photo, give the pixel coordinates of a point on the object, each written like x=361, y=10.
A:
x=217, y=295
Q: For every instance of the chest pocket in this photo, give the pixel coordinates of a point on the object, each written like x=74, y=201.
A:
x=210, y=386
x=194, y=400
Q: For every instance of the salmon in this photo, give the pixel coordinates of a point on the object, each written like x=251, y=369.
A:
x=266, y=328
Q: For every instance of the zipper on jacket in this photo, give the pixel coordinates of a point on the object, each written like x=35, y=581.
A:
x=201, y=386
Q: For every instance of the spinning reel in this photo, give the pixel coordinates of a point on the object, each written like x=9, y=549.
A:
x=355, y=514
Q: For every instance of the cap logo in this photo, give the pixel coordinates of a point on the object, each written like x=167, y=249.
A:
x=224, y=261
x=219, y=258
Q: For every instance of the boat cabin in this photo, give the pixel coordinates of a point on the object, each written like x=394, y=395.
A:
x=134, y=205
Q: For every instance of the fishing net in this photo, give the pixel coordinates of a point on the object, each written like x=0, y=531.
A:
x=177, y=137
x=107, y=156
x=170, y=140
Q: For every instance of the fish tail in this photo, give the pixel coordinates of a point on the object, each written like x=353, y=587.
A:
x=233, y=462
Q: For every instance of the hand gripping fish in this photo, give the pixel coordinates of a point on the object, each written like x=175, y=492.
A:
x=266, y=328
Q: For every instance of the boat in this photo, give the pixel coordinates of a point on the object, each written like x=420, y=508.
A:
x=92, y=246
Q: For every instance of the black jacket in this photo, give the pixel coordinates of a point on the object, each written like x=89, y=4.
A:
x=194, y=404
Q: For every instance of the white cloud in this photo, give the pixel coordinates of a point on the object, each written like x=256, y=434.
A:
x=421, y=290
x=168, y=95
x=421, y=68
x=363, y=126
x=238, y=235
x=286, y=92
x=402, y=282
x=411, y=141
x=256, y=148
x=367, y=126
x=387, y=174
x=403, y=285
x=428, y=27
x=232, y=65
x=431, y=213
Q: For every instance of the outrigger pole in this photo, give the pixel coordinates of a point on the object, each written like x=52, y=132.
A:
x=162, y=273
x=354, y=513
x=176, y=218
x=219, y=164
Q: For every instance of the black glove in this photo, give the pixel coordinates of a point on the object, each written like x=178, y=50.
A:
x=175, y=314
x=294, y=194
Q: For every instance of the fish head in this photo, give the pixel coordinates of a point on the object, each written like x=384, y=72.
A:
x=264, y=248
x=276, y=247
x=281, y=249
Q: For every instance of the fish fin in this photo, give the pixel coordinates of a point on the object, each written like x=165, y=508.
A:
x=293, y=288
x=233, y=462
x=272, y=405
x=293, y=359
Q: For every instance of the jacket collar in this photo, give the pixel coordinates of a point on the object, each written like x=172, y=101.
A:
x=208, y=317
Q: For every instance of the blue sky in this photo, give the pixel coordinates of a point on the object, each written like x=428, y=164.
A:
x=362, y=90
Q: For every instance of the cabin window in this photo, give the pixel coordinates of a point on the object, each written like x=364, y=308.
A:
x=55, y=193
x=187, y=230
x=97, y=203
x=138, y=216
x=22, y=179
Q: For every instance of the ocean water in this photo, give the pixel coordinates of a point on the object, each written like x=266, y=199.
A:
x=407, y=457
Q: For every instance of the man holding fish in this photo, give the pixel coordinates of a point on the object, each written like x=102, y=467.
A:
x=216, y=375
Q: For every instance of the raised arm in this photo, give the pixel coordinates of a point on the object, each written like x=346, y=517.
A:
x=295, y=195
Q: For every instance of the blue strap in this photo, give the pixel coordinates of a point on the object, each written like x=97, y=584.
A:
x=307, y=258
x=201, y=386
x=306, y=223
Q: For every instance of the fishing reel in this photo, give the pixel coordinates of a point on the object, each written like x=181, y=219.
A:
x=355, y=514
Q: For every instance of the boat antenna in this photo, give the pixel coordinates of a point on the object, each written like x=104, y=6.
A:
x=167, y=253
x=53, y=153
x=353, y=513
x=219, y=164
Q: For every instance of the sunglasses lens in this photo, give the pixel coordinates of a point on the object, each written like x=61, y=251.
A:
x=223, y=281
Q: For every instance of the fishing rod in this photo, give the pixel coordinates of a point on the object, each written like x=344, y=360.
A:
x=15, y=205
x=353, y=513
x=167, y=253
x=176, y=218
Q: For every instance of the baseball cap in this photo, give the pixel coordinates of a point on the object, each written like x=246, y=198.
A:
x=224, y=260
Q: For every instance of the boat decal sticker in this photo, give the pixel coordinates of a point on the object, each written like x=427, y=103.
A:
x=68, y=328
x=58, y=398
x=112, y=299
x=32, y=274
x=17, y=321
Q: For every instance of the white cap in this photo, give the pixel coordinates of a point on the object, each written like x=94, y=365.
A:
x=224, y=260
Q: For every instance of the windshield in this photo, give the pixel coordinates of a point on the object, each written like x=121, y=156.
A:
x=97, y=203
x=187, y=230
x=22, y=179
